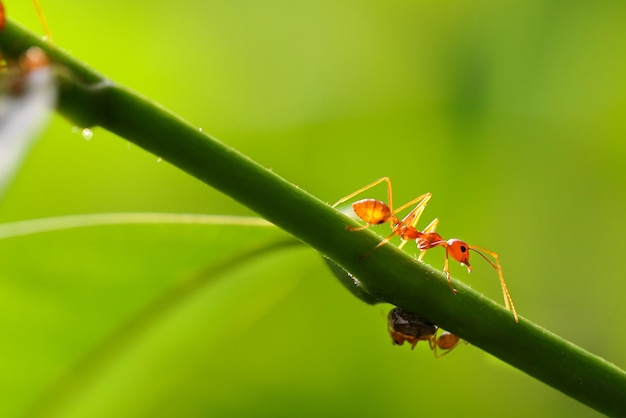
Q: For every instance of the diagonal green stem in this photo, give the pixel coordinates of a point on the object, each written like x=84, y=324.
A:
x=87, y=98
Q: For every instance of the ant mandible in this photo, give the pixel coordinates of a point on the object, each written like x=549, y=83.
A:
x=407, y=326
x=375, y=212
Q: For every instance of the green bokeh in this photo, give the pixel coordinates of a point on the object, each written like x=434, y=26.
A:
x=511, y=114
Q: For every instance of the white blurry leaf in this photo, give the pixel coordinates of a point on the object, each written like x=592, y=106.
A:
x=22, y=116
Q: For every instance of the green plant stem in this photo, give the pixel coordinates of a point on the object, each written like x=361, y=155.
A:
x=387, y=273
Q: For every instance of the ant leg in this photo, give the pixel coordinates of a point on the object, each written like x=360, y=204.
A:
x=386, y=240
x=364, y=188
x=435, y=345
x=431, y=227
x=44, y=22
x=429, y=242
x=411, y=219
x=415, y=213
x=432, y=341
x=358, y=228
x=447, y=271
x=508, y=301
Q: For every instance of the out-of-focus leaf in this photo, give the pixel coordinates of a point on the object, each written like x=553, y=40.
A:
x=70, y=296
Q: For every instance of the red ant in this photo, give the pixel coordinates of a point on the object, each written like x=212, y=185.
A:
x=31, y=60
x=407, y=326
x=375, y=212
x=34, y=58
x=3, y=17
x=458, y=250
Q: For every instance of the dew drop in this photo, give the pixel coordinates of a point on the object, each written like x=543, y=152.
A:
x=200, y=129
x=87, y=134
x=159, y=159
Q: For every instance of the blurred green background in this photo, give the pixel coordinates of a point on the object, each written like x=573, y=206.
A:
x=511, y=114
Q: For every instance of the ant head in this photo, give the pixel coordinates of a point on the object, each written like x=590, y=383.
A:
x=459, y=250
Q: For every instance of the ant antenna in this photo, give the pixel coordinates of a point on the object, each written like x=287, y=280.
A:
x=508, y=301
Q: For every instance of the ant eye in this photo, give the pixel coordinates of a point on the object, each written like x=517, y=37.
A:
x=463, y=248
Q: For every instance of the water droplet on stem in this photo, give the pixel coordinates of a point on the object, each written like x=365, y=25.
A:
x=87, y=134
